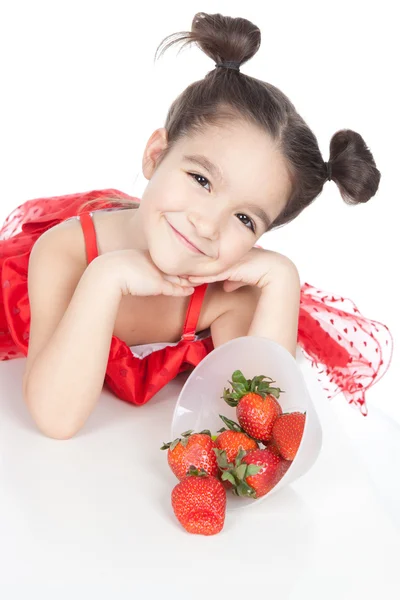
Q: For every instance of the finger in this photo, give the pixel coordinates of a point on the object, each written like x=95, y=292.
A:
x=178, y=290
x=177, y=280
x=182, y=291
x=207, y=279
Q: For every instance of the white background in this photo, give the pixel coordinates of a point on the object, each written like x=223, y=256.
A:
x=81, y=95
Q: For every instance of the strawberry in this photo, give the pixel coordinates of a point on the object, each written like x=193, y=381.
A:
x=234, y=438
x=256, y=403
x=199, y=502
x=192, y=449
x=287, y=433
x=254, y=474
x=272, y=447
x=283, y=467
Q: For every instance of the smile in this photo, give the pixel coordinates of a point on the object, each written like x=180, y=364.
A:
x=184, y=241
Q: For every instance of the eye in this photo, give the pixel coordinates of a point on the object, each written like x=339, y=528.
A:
x=252, y=225
x=201, y=177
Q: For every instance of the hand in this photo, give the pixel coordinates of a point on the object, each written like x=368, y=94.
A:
x=134, y=273
x=254, y=268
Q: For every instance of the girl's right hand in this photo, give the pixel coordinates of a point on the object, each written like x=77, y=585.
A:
x=134, y=272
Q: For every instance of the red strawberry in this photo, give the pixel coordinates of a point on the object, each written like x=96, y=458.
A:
x=272, y=447
x=283, y=467
x=256, y=404
x=199, y=503
x=192, y=449
x=254, y=474
x=287, y=433
x=234, y=438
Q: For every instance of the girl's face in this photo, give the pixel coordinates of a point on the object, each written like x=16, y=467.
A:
x=217, y=189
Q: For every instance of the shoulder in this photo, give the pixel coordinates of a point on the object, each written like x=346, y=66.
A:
x=68, y=236
x=65, y=238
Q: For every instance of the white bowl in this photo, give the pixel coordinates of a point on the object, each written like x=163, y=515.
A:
x=200, y=404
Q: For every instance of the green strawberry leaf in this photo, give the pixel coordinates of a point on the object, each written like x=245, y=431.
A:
x=226, y=476
x=221, y=458
x=174, y=444
x=240, y=471
x=238, y=377
x=231, y=424
x=240, y=388
x=192, y=470
x=252, y=470
x=245, y=490
x=239, y=456
x=206, y=432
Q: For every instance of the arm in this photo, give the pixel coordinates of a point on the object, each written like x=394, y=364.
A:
x=277, y=312
x=71, y=329
x=270, y=312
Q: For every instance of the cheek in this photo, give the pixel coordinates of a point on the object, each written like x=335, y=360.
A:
x=162, y=192
x=231, y=252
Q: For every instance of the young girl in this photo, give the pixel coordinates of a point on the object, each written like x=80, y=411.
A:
x=102, y=287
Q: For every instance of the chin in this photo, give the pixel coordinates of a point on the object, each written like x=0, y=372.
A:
x=167, y=264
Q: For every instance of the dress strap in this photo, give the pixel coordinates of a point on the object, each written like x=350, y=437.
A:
x=193, y=312
x=89, y=233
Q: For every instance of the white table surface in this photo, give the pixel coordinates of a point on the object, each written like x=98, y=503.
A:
x=92, y=514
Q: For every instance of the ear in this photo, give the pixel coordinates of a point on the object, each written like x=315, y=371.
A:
x=157, y=143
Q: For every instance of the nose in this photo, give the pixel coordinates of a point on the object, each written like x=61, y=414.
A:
x=206, y=227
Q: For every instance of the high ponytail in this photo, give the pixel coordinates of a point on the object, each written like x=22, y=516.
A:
x=221, y=38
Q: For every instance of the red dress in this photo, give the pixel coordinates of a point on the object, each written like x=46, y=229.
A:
x=349, y=351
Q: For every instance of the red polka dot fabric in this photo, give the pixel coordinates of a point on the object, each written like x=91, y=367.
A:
x=348, y=351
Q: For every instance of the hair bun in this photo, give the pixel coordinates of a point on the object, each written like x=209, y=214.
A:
x=221, y=38
x=226, y=38
x=353, y=167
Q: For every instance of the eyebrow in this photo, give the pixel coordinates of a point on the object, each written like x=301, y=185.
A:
x=204, y=162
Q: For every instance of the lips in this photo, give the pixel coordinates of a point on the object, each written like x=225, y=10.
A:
x=189, y=242
x=186, y=239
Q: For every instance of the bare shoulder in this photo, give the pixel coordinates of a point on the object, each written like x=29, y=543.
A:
x=66, y=237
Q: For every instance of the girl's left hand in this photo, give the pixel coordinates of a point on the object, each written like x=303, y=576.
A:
x=254, y=268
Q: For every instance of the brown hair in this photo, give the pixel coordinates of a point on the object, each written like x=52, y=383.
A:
x=225, y=94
